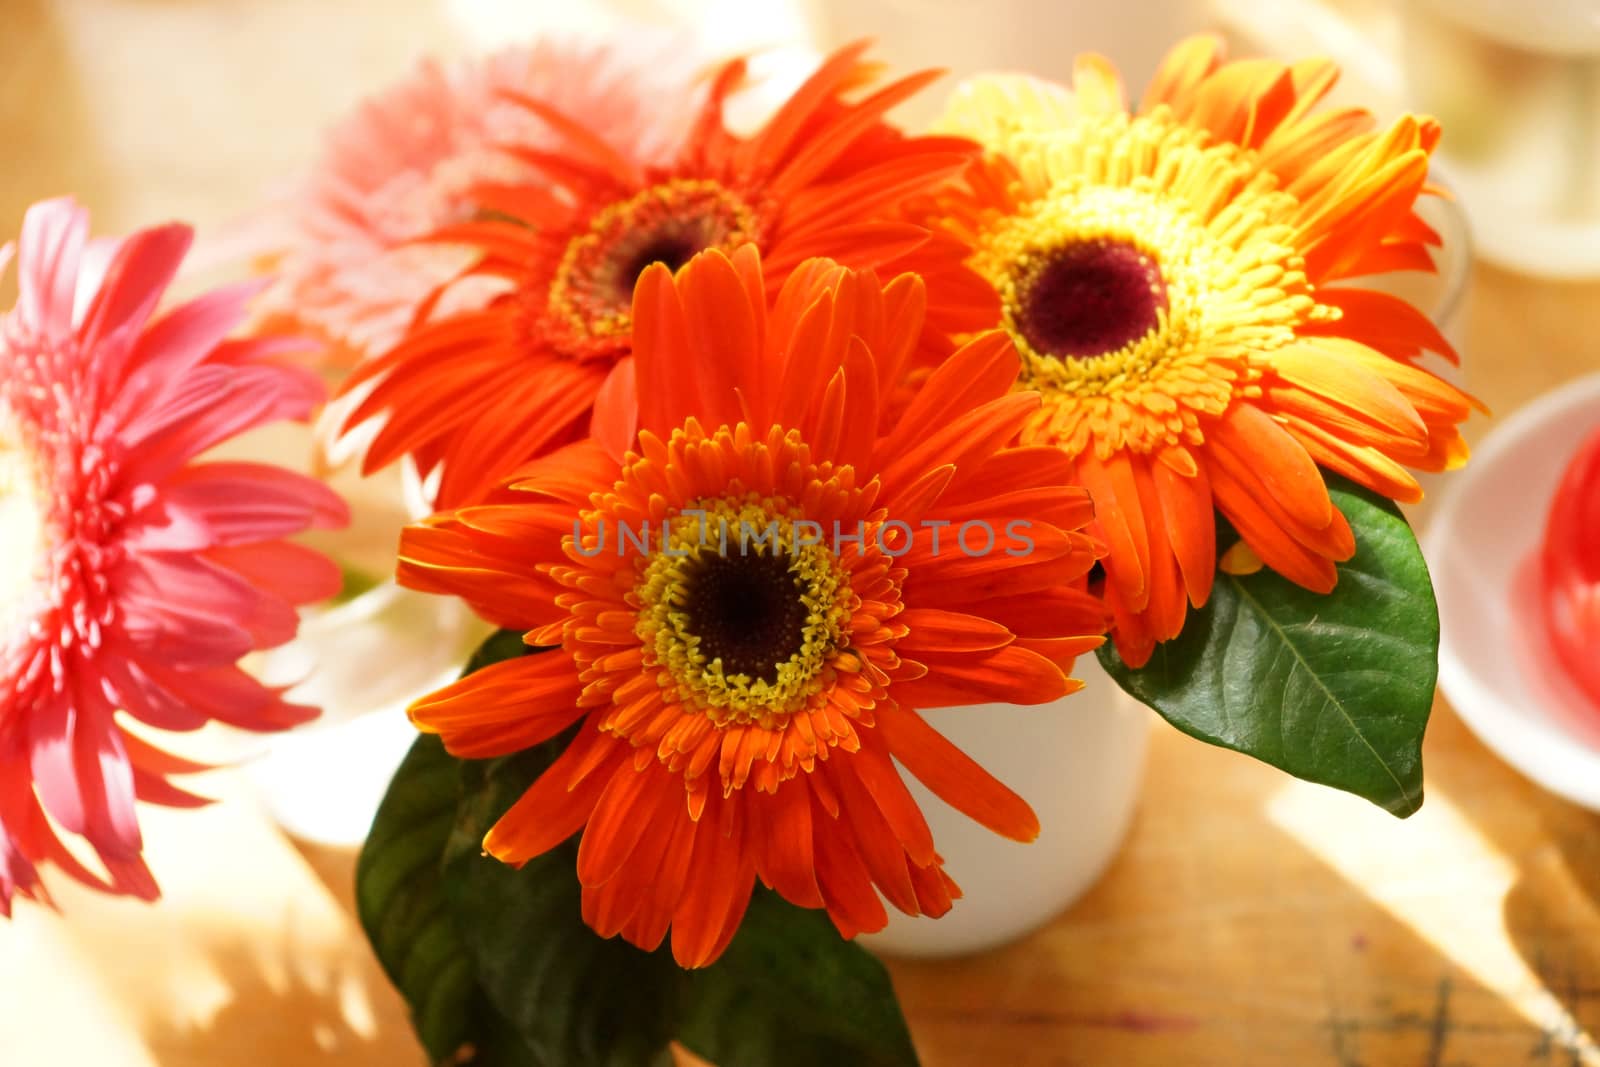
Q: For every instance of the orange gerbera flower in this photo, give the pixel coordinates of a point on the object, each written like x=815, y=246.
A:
x=482, y=392
x=751, y=596
x=1173, y=279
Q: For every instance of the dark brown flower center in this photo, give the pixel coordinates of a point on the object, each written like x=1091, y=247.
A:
x=591, y=293
x=673, y=249
x=1091, y=298
x=747, y=610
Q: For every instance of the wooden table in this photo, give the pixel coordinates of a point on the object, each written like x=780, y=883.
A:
x=1250, y=919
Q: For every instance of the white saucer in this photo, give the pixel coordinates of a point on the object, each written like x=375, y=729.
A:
x=1486, y=525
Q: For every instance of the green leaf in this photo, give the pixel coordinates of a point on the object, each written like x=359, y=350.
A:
x=401, y=904
x=790, y=992
x=1334, y=689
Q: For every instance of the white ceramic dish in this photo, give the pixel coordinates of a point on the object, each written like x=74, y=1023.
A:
x=1492, y=667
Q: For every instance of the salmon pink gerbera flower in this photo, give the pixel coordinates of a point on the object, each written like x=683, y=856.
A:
x=1178, y=281
x=480, y=392
x=132, y=578
x=742, y=689
x=408, y=160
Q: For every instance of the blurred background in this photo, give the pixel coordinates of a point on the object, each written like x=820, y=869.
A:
x=197, y=108
x=1249, y=920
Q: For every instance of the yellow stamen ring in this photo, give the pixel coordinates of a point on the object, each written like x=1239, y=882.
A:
x=592, y=291
x=687, y=644
x=1215, y=233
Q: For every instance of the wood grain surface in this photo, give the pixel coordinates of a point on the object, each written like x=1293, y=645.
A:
x=1250, y=919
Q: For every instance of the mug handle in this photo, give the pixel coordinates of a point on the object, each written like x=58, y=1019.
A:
x=1453, y=260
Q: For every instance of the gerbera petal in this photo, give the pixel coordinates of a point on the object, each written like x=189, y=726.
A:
x=616, y=411
x=982, y=107
x=1097, y=86
x=1189, y=63
x=142, y=267
x=1010, y=675
x=1277, y=460
x=621, y=817
x=852, y=903
x=53, y=236
x=785, y=822
x=715, y=896
x=1277, y=547
x=935, y=630
x=1187, y=514
x=242, y=502
x=179, y=341
x=531, y=698
x=1385, y=322
x=873, y=769
x=956, y=778
x=554, y=808
x=874, y=842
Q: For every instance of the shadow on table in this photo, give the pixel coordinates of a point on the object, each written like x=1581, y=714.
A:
x=275, y=1013
x=1216, y=940
x=1552, y=911
x=1553, y=916
x=201, y=988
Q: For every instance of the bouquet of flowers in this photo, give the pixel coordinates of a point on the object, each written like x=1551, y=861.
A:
x=755, y=445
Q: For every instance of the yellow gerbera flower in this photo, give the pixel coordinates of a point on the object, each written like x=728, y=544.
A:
x=1174, y=278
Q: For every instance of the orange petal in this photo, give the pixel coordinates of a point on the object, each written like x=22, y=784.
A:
x=549, y=811
x=717, y=892
x=1009, y=675
x=621, y=816
x=955, y=777
x=1189, y=516
x=785, y=822
x=875, y=770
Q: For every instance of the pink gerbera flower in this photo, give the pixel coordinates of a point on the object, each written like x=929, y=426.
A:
x=405, y=164
x=132, y=576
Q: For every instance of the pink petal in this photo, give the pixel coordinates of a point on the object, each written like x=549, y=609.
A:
x=140, y=271
x=97, y=257
x=105, y=776
x=131, y=877
x=293, y=572
x=179, y=341
x=192, y=608
x=231, y=696
x=214, y=404
x=53, y=235
x=154, y=789
x=242, y=503
x=55, y=772
x=184, y=610
x=142, y=698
